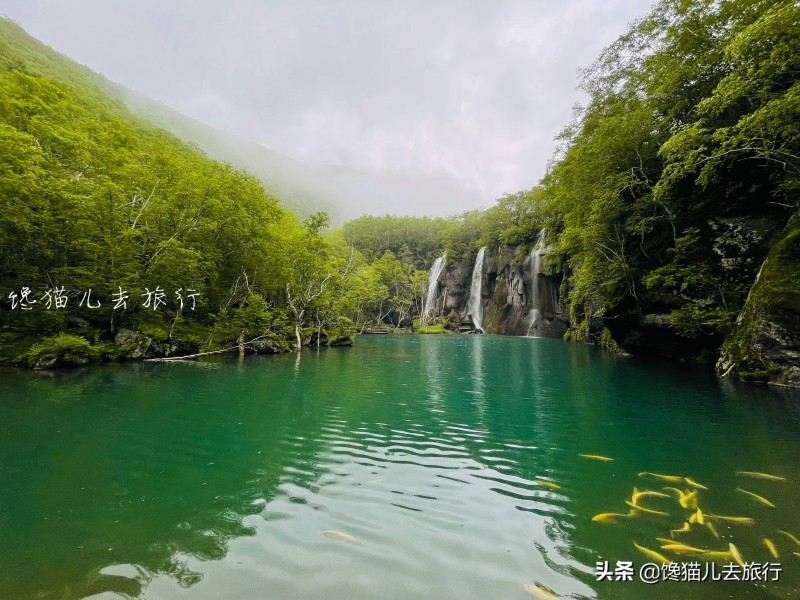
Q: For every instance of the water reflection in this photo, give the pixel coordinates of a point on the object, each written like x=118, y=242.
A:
x=404, y=467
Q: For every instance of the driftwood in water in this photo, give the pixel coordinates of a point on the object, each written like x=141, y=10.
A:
x=241, y=345
x=186, y=356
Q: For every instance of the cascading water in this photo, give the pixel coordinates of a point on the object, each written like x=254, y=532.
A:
x=536, y=292
x=475, y=303
x=433, y=285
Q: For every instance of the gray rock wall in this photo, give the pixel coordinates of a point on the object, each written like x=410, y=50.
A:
x=507, y=283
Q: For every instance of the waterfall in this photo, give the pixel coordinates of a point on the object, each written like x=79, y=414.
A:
x=475, y=303
x=433, y=285
x=536, y=292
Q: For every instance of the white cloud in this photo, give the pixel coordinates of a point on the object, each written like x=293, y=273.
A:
x=473, y=90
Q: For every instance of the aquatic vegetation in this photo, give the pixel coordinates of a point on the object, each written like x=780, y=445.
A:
x=596, y=457
x=757, y=475
x=756, y=497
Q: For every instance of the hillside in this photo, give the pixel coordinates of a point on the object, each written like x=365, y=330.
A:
x=117, y=239
x=343, y=192
x=297, y=186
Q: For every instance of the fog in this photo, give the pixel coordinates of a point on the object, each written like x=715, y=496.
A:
x=405, y=107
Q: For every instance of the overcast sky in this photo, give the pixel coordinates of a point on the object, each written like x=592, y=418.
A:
x=474, y=90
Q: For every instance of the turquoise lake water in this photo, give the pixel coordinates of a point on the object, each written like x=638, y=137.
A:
x=404, y=467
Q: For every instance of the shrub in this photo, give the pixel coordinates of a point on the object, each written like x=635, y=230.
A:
x=59, y=350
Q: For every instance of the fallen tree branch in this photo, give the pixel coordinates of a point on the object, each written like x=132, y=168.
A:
x=199, y=354
x=184, y=357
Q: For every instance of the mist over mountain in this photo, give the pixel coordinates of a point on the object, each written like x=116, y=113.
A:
x=343, y=192
x=437, y=108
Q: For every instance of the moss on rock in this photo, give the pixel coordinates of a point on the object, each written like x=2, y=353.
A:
x=341, y=335
x=608, y=342
x=765, y=342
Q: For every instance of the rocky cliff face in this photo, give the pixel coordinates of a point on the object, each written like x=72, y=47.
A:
x=765, y=342
x=520, y=295
x=507, y=293
x=732, y=244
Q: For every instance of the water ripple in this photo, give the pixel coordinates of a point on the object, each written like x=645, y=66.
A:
x=278, y=478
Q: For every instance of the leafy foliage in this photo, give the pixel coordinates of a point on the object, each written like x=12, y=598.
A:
x=64, y=348
x=672, y=183
x=92, y=198
x=691, y=131
x=413, y=239
x=667, y=191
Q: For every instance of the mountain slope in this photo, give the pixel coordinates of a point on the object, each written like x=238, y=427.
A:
x=118, y=239
x=294, y=184
x=343, y=192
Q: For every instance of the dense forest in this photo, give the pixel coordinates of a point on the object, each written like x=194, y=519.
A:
x=119, y=240
x=674, y=178
x=674, y=190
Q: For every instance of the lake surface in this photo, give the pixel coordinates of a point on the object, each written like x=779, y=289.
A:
x=404, y=467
